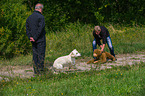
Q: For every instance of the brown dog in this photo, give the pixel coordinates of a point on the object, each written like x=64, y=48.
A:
x=101, y=57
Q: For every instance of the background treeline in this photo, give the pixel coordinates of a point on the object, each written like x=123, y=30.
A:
x=58, y=14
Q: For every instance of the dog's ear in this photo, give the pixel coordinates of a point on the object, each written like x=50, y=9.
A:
x=97, y=51
x=75, y=53
x=74, y=50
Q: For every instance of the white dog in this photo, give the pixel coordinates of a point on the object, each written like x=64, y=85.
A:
x=66, y=60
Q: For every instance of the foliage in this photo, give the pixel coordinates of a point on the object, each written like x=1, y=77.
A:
x=92, y=11
x=13, y=39
x=64, y=14
x=55, y=15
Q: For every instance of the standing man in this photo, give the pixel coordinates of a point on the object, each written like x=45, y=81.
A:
x=35, y=30
x=101, y=32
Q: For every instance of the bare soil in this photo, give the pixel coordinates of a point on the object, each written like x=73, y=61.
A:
x=122, y=60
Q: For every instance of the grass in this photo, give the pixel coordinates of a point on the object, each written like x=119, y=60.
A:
x=119, y=81
x=78, y=36
x=17, y=61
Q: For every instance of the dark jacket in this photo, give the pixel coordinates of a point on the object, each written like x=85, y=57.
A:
x=103, y=35
x=35, y=27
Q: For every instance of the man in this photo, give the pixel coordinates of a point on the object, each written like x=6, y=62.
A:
x=35, y=30
x=101, y=33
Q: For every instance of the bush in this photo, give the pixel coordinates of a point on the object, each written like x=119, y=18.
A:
x=13, y=39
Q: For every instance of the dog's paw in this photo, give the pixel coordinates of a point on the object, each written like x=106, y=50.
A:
x=96, y=62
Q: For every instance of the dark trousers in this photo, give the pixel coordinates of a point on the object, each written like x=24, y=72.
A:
x=38, y=56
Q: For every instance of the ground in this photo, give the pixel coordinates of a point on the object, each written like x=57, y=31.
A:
x=122, y=59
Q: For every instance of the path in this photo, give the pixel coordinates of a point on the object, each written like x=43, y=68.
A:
x=27, y=71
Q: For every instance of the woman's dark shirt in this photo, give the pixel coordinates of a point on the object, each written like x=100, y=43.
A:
x=103, y=35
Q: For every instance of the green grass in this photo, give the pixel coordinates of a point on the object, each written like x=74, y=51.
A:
x=17, y=61
x=79, y=36
x=119, y=81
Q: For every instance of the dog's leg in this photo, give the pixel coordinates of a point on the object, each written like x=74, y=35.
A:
x=95, y=61
x=109, y=56
x=90, y=61
x=103, y=58
x=73, y=61
x=72, y=64
x=59, y=66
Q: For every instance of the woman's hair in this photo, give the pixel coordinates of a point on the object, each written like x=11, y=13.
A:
x=97, y=28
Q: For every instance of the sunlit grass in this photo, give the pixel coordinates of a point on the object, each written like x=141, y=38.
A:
x=78, y=36
x=20, y=60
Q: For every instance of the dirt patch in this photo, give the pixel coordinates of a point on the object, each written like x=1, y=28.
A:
x=122, y=59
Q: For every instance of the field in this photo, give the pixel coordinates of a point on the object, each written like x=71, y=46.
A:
x=119, y=81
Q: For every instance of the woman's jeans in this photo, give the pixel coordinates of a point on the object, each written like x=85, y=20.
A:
x=109, y=43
